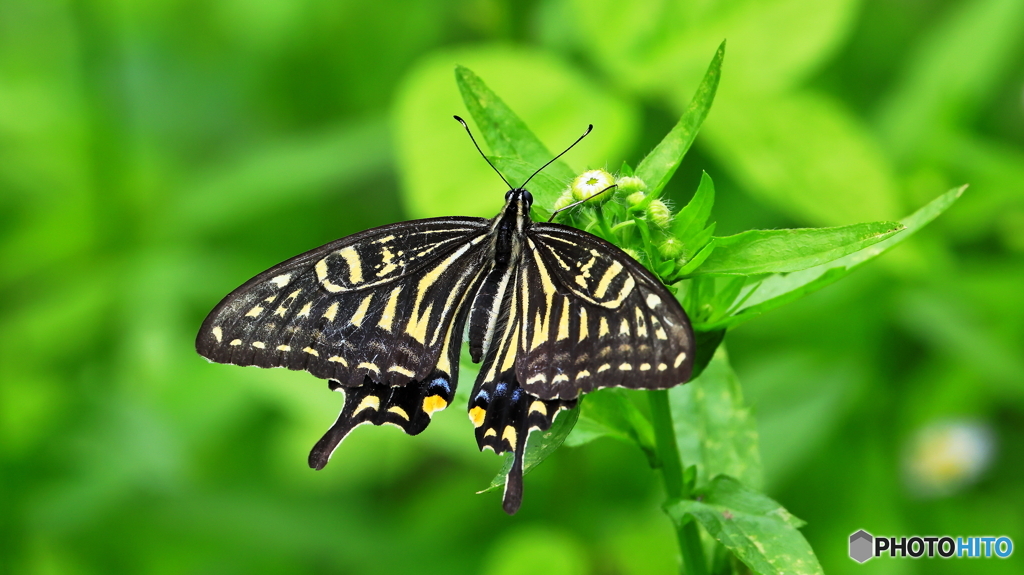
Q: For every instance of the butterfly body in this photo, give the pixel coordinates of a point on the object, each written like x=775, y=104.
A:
x=552, y=312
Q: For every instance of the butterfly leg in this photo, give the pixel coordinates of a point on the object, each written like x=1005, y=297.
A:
x=409, y=407
x=504, y=414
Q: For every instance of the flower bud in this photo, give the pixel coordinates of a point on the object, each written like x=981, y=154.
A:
x=631, y=184
x=590, y=183
x=671, y=248
x=635, y=198
x=563, y=200
x=659, y=214
x=632, y=253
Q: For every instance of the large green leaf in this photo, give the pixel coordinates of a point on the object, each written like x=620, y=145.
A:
x=714, y=430
x=442, y=174
x=778, y=289
x=505, y=132
x=657, y=168
x=781, y=251
x=758, y=530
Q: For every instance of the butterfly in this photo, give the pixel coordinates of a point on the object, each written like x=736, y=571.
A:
x=552, y=312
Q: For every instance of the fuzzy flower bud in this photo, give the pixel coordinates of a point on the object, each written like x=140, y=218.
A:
x=671, y=248
x=635, y=198
x=630, y=184
x=563, y=200
x=590, y=183
x=659, y=214
x=632, y=253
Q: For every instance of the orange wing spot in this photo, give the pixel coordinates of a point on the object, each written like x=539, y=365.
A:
x=435, y=403
x=476, y=415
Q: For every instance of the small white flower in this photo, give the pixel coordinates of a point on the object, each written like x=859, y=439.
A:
x=945, y=457
x=590, y=183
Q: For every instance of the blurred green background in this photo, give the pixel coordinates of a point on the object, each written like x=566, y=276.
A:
x=154, y=155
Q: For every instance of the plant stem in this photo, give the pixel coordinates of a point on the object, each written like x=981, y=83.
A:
x=675, y=487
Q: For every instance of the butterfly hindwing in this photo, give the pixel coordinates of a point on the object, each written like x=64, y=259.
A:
x=502, y=412
x=593, y=317
x=376, y=306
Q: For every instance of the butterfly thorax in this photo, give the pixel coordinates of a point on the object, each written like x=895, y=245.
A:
x=508, y=231
x=509, y=226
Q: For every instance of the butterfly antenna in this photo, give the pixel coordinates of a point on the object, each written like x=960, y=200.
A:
x=574, y=204
x=466, y=126
x=589, y=128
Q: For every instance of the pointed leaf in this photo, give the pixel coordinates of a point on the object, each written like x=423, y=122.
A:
x=658, y=167
x=758, y=530
x=691, y=220
x=781, y=251
x=779, y=289
x=504, y=131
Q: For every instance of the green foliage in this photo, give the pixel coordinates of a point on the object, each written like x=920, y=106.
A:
x=153, y=155
x=781, y=251
x=658, y=166
x=758, y=530
x=705, y=423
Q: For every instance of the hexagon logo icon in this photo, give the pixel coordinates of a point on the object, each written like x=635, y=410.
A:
x=861, y=546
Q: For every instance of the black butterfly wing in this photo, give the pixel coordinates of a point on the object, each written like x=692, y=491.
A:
x=380, y=314
x=595, y=318
x=376, y=305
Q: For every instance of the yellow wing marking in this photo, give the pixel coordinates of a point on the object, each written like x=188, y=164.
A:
x=476, y=415
x=388, y=317
x=399, y=412
x=368, y=402
x=606, y=280
x=563, y=322
x=433, y=403
x=401, y=370
x=357, y=318
x=355, y=265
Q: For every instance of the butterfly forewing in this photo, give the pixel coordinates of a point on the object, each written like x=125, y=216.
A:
x=593, y=317
x=380, y=305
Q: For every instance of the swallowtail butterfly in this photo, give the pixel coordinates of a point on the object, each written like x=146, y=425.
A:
x=553, y=312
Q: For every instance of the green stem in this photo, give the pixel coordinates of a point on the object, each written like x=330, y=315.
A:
x=675, y=486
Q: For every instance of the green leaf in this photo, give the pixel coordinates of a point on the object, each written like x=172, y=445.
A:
x=714, y=430
x=758, y=530
x=441, y=173
x=691, y=221
x=658, y=167
x=612, y=413
x=504, y=131
x=539, y=446
x=779, y=289
x=545, y=187
x=781, y=251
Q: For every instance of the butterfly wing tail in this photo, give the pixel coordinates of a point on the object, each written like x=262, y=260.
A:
x=409, y=407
